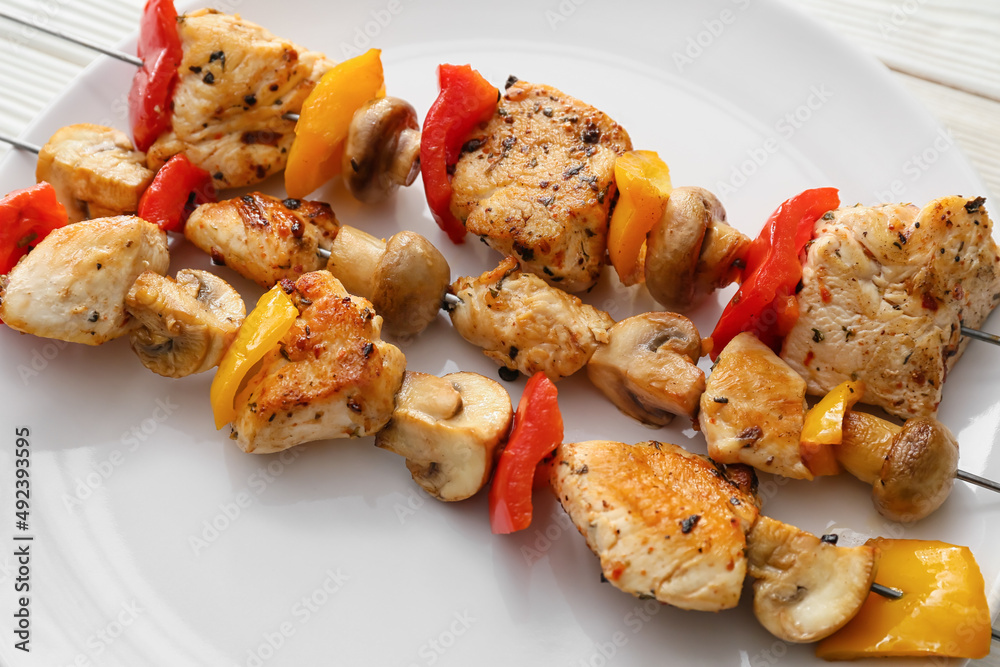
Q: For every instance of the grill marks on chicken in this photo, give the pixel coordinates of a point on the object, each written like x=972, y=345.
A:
x=522, y=323
x=236, y=81
x=263, y=238
x=95, y=171
x=72, y=285
x=538, y=181
x=664, y=523
x=331, y=376
x=885, y=291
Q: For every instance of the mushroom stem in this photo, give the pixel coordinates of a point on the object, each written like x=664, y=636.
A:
x=353, y=257
x=405, y=165
x=382, y=150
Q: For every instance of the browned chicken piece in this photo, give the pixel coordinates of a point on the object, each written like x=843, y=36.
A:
x=72, y=286
x=753, y=409
x=885, y=291
x=806, y=588
x=664, y=523
x=236, y=80
x=331, y=376
x=524, y=324
x=537, y=183
x=263, y=238
x=95, y=170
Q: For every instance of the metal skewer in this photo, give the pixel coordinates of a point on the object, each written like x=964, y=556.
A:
x=886, y=591
x=977, y=480
x=23, y=145
x=981, y=335
x=86, y=43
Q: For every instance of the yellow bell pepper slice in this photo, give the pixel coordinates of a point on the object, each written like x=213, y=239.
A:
x=320, y=133
x=643, y=182
x=943, y=611
x=266, y=324
x=824, y=426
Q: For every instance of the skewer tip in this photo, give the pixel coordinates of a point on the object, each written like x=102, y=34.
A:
x=886, y=591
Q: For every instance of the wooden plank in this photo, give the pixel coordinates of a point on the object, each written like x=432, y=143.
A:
x=973, y=121
x=951, y=42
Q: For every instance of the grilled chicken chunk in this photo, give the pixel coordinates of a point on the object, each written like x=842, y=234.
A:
x=95, y=171
x=753, y=409
x=72, y=286
x=236, y=80
x=537, y=183
x=331, y=376
x=524, y=324
x=806, y=588
x=885, y=290
x=665, y=523
x=263, y=238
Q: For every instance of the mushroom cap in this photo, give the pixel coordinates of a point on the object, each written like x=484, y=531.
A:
x=382, y=149
x=647, y=368
x=673, y=245
x=184, y=325
x=409, y=283
x=805, y=589
x=918, y=471
x=449, y=429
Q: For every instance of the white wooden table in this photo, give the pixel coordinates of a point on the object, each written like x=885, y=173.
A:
x=947, y=52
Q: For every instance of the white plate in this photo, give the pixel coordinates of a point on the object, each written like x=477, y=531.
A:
x=157, y=542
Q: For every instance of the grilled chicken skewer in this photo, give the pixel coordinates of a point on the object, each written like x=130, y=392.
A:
x=238, y=124
x=237, y=149
x=686, y=531
x=753, y=411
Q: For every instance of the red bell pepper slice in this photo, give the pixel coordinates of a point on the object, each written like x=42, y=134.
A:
x=465, y=100
x=177, y=189
x=150, y=100
x=765, y=303
x=538, y=429
x=26, y=217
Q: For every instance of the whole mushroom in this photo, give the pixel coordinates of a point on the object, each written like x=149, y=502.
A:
x=911, y=468
x=648, y=367
x=382, y=150
x=185, y=325
x=405, y=277
x=691, y=250
x=449, y=429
